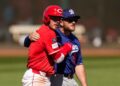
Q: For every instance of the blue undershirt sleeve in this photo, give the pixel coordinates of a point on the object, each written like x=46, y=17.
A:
x=27, y=42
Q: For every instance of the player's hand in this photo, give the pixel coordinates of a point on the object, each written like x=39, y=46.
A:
x=34, y=36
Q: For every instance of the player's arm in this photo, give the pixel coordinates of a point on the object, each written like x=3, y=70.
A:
x=27, y=42
x=81, y=74
x=61, y=53
x=57, y=52
x=31, y=37
x=80, y=69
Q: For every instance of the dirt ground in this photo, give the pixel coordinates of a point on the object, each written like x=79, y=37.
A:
x=10, y=52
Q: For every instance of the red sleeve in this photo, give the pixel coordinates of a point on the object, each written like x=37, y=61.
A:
x=53, y=49
x=50, y=42
x=61, y=53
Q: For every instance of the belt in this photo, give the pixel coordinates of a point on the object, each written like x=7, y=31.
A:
x=69, y=76
x=40, y=72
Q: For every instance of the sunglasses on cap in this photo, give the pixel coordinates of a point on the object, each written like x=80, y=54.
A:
x=56, y=18
x=70, y=20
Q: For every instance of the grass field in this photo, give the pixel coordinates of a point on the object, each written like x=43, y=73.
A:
x=100, y=71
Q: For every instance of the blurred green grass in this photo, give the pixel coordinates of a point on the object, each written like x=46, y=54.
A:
x=102, y=71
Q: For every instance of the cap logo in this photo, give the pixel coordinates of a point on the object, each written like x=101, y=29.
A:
x=71, y=11
x=58, y=10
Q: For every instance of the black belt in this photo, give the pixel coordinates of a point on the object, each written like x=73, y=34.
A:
x=69, y=76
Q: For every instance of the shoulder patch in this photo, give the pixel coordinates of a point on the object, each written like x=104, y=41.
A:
x=55, y=45
x=54, y=40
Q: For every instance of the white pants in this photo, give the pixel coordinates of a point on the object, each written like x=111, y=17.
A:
x=33, y=79
x=60, y=80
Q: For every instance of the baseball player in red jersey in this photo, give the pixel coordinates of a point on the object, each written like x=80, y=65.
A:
x=44, y=52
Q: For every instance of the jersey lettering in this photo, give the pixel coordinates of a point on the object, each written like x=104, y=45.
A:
x=74, y=49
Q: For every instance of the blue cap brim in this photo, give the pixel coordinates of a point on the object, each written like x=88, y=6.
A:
x=73, y=17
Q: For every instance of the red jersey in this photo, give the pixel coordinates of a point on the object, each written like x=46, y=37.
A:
x=39, y=58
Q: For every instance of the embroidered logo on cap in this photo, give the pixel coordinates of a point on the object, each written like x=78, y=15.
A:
x=71, y=11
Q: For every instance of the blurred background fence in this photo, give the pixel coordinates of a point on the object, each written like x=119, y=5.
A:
x=99, y=22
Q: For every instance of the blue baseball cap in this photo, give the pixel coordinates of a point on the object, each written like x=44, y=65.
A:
x=69, y=13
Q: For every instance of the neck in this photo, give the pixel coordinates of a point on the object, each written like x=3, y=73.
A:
x=66, y=32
